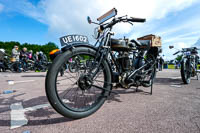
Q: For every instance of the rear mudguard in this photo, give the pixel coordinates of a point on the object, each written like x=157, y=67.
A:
x=70, y=47
x=154, y=51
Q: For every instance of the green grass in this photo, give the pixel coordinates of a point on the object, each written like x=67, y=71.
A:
x=198, y=67
x=171, y=66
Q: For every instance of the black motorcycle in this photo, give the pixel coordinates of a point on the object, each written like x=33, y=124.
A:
x=13, y=66
x=189, y=62
x=41, y=65
x=80, y=93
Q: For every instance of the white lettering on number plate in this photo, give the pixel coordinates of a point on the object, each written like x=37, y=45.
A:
x=74, y=38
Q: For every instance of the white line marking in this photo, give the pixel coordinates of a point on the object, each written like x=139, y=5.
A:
x=17, y=113
x=178, y=86
x=175, y=77
x=37, y=107
x=11, y=82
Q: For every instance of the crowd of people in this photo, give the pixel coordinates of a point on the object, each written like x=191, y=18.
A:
x=24, y=54
x=23, y=60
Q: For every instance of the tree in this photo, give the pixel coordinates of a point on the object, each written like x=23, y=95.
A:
x=8, y=46
x=179, y=58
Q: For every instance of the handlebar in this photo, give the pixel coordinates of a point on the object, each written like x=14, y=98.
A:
x=176, y=53
x=140, y=20
x=120, y=19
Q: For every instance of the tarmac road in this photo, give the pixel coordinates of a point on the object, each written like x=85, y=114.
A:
x=173, y=108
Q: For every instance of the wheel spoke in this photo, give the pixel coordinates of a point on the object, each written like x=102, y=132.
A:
x=74, y=90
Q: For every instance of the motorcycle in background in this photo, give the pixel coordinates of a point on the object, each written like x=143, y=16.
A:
x=189, y=62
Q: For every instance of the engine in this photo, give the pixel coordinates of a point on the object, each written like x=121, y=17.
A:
x=124, y=61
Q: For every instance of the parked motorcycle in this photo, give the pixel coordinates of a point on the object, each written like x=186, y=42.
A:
x=80, y=93
x=189, y=62
x=41, y=65
x=12, y=65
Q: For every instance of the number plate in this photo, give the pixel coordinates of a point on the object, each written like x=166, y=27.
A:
x=72, y=39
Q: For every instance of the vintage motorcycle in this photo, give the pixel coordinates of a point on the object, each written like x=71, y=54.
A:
x=189, y=62
x=80, y=93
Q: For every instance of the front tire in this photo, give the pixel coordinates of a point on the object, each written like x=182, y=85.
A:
x=68, y=106
x=185, y=71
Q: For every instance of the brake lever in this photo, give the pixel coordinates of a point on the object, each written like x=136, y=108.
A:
x=130, y=23
x=125, y=21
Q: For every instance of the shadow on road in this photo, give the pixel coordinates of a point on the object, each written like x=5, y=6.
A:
x=6, y=102
x=45, y=113
x=47, y=121
x=168, y=81
x=115, y=96
x=33, y=76
x=48, y=112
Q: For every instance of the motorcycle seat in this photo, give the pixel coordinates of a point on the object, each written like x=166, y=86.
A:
x=145, y=42
x=142, y=43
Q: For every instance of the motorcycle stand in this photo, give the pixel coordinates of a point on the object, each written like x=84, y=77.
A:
x=151, y=91
x=136, y=90
x=151, y=88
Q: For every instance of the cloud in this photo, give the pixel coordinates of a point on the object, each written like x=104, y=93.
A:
x=24, y=7
x=168, y=53
x=70, y=16
x=1, y=7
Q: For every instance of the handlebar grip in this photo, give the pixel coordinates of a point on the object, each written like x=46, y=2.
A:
x=141, y=20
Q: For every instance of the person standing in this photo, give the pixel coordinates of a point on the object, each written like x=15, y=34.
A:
x=23, y=54
x=24, y=59
x=35, y=56
x=2, y=53
x=2, y=62
x=15, y=54
x=30, y=55
x=161, y=62
x=15, y=58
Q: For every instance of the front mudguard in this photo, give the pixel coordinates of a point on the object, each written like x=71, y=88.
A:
x=70, y=47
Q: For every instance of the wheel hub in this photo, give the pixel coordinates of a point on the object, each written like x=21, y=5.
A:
x=84, y=82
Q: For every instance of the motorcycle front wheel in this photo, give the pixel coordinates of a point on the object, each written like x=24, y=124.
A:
x=78, y=94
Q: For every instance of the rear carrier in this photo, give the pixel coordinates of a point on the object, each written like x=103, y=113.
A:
x=155, y=41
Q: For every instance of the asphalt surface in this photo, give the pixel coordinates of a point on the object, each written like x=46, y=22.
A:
x=173, y=107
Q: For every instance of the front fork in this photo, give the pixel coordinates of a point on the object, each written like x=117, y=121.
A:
x=102, y=53
x=187, y=65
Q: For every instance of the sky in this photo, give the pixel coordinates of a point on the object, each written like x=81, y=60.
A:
x=42, y=21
